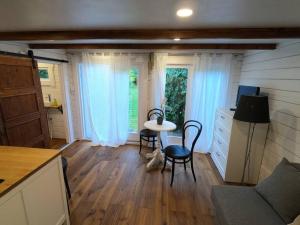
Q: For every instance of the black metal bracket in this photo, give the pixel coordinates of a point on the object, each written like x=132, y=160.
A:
x=35, y=57
x=31, y=55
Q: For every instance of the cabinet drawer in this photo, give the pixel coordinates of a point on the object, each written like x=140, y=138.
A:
x=221, y=144
x=224, y=120
x=216, y=158
x=222, y=131
x=219, y=156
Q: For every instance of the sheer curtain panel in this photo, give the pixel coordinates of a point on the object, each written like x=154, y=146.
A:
x=207, y=89
x=104, y=85
x=158, y=85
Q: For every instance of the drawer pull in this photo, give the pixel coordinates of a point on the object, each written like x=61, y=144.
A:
x=219, y=142
x=218, y=154
x=223, y=117
x=221, y=130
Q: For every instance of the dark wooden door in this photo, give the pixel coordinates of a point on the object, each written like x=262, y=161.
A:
x=23, y=120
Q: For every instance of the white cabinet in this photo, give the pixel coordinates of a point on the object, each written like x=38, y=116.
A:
x=229, y=145
x=39, y=200
x=12, y=212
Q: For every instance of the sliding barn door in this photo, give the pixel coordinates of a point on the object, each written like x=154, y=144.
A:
x=23, y=120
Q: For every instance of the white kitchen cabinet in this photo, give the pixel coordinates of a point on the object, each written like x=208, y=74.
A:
x=38, y=200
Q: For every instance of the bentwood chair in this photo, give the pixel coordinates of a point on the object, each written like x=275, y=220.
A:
x=150, y=135
x=180, y=153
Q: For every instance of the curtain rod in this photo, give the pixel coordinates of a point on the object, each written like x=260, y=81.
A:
x=236, y=54
x=35, y=57
x=170, y=52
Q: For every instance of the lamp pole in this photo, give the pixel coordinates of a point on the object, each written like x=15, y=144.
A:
x=247, y=160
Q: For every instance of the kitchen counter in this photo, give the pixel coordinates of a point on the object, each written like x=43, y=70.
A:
x=33, y=187
x=18, y=163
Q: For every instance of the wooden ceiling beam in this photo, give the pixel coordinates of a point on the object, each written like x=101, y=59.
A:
x=232, y=33
x=155, y=46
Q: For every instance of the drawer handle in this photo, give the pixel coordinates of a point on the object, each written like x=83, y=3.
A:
x=223, y=117
x=218, y=154
x=219, y=142
x=221, y=130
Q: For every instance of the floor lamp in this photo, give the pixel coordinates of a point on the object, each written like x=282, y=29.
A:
x=251, y=109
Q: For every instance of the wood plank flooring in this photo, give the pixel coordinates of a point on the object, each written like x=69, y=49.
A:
x=110, y=186
x=57, y=143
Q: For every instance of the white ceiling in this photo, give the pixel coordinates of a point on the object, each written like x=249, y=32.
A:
x=21, y=15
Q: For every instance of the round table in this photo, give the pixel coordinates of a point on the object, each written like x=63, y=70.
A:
x=157, y=156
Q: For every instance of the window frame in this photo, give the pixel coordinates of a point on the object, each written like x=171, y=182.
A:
x=141, y=64
x=177, y=64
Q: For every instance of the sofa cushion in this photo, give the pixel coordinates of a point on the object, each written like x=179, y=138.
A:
x=242, y=206
x=282, y=190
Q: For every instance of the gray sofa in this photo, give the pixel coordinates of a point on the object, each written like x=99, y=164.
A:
x=242, y=206
x=274, y=201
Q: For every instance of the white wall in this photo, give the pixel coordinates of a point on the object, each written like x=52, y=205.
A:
x=277, y=72
x=55, y=117
x=236, y=66
x=18, y=47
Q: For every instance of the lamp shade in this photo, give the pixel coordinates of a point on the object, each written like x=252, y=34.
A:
x=253, y=109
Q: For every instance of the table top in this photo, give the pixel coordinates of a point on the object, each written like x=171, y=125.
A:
x=18, y=163
x=166, y=126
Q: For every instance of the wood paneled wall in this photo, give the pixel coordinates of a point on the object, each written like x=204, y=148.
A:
x=236, y=66
x=277, y=72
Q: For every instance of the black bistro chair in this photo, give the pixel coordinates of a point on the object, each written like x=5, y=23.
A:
x=180, y=153
x=150, y=135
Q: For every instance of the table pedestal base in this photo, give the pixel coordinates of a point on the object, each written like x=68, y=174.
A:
x=157, y=160
x=157, y=157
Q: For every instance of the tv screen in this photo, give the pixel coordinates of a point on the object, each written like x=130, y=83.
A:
x=246, y=90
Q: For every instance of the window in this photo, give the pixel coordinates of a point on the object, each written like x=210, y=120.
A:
x=133, y=100
x=175, y=93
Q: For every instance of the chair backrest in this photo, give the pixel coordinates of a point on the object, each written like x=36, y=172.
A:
x=154, y=113
x=191, y=124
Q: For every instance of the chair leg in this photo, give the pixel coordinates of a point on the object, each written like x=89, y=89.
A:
x=192, y=167
x=140, y=144
x=184, y=164
x=165, y=163
x=173, y=170
x=161, y=144
x=153, y=143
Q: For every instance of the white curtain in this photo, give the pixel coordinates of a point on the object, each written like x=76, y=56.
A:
x=105, y=97
x=207, y=89
x=158, y=85
x=158, y=79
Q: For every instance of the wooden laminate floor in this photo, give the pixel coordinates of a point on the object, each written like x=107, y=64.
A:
x=57, y=143
x=110, y=186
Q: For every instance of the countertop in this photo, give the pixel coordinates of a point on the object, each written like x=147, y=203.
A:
x=18, y=163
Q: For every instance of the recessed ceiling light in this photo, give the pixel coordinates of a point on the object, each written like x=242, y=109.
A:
x=176, y=39
x=184, y=12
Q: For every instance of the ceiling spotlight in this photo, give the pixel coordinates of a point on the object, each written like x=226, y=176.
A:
x=184, y=12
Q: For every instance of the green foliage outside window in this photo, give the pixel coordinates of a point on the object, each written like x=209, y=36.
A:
x=175, y=92
x=133, y=100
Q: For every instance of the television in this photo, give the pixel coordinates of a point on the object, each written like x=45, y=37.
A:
x=246, y=90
